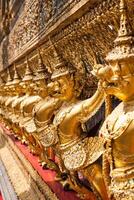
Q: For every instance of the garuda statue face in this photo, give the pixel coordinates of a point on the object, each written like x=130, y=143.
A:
x=61, y=87
x=121, y=80
x=40, y=87
x=121, y=60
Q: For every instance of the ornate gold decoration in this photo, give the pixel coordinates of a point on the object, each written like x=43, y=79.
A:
x=9, y=79
x=41, y=77
x=28, y=103
x=28, y=73
x=81, y=152
x=16, y=79
x=45, y=110
x=52, y=116
x=60, y=68
x=42, y=72
x=118, y=126
x=72, y=143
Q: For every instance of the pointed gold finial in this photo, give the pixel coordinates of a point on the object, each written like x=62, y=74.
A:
x=42, y=72
x=9, y=79
x=124, y=48
x=125, y=26
x=58, y=59
x=60, y=67
x=40, y=61
x=16, y=79
x=28, y=73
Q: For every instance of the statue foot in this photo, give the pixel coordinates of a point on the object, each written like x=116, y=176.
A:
x=66, y=185
x=23, y=141
x=32, y=151
x=16, y=136
x=61, y=176
x=63, y=179
x=44, y=165
x=50, y=165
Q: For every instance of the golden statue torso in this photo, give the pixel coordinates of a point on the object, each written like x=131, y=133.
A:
x=76, y=148
x=42, y=118
x=16, y=108
x=28, y=104
x=43, y=110
x=8, y=104
x=118, y=131
x=65, y=116
x=119, y=127
x=26, y=107
x=70, y=117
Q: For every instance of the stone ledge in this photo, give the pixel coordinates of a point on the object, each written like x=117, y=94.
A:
x=6, y=188
x=27, y=183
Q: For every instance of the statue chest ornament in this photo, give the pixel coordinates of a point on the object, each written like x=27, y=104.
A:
x=48, y=135
x=79, y=151
x=118, y=133
x=117, y=122
x=47, y=132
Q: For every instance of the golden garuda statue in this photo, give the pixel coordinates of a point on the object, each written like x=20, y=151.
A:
x=118, y=128
x=44, y=111
x=14, y=88
x=28, y=103
x=2, y=97
x=33, y=125
x=10, y=96
x=81, y=153
x=50, y=115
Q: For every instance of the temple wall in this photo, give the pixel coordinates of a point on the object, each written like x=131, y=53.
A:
x=83, y=32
